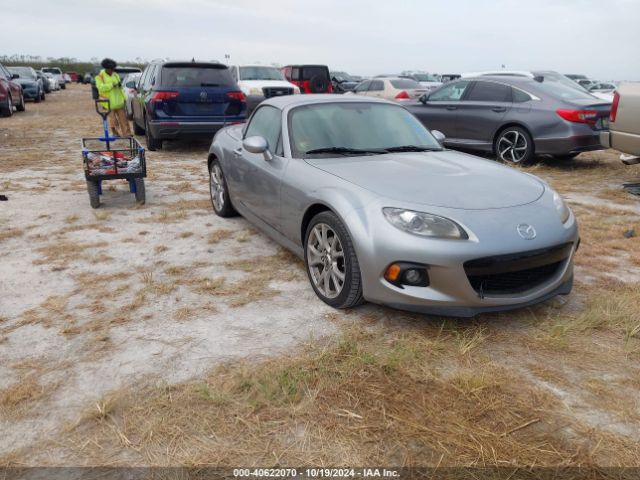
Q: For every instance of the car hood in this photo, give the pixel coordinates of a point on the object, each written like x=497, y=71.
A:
x=441, y=179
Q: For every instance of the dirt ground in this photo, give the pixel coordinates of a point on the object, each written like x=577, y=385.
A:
x=164, y=335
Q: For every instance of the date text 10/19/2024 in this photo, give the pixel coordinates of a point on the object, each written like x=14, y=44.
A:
x=315, y=473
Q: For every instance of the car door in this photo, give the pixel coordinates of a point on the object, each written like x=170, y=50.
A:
x=439, y=111
x=261, y=176
x=137, y=102
x=481, y=111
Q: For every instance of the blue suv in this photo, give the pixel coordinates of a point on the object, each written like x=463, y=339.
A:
x=178, y=99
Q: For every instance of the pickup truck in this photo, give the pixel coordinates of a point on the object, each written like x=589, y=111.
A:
x=624, y=123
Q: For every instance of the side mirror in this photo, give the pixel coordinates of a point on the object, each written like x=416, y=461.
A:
x=438, y=135
x=424, y=98
x=257, y=144
x=14, y=76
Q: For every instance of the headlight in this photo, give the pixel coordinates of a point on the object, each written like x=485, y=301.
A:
x=423, y=224
x=561, y=207
x=256, y=91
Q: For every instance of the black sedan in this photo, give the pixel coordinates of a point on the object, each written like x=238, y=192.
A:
x=515, y=118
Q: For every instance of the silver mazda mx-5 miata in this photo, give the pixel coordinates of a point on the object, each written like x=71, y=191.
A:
x=381, y=212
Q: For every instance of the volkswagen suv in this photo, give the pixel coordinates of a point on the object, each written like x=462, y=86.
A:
x=178, y=99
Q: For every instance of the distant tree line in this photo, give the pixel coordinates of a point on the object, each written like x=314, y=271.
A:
x=67, y=64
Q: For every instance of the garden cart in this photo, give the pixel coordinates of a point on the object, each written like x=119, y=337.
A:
x=111, y=158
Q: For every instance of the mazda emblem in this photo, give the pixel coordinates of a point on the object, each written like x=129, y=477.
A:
x=526, y=231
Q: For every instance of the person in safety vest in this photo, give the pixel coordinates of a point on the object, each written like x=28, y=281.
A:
x=109, y=88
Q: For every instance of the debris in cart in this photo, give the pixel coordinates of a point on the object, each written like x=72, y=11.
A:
x=111, y=158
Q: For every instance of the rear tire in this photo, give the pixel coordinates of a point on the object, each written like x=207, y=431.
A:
x=63, y=86
x=140, y=191
x=219, y=192
x=94, y=197
x=153, y=143
x=38, y=98
x=333, y=256
x=136, y=129
x=43, y=97
x=514, y=145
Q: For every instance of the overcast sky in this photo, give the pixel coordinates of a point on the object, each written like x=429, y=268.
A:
x=596, y=38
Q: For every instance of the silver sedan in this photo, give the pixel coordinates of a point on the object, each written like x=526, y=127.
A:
x=381, y=212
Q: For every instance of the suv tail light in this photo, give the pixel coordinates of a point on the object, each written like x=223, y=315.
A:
x=239, y=96
x=579, y=116
x=614, y=107
x=403, y=95
x=162, y=96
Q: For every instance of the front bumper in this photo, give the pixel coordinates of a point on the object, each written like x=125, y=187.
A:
x=30, y=93
x=450, y=292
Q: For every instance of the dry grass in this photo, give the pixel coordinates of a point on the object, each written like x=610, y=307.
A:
x=366, y=397
x=63, y=252
x=10, y=233
x=17, y=400
x=219, y=235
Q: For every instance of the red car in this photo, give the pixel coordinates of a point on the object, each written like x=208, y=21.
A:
x=10, y=93
x=73, y=75
x=310, y=78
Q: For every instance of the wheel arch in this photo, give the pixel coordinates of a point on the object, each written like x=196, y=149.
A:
x=502, y=128
x=311, y=212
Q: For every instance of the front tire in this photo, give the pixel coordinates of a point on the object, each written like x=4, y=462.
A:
x=137, y=130
x=7, y=111
x=515, y=145
x=21, y=106
x=332, y=265
x=219, y=192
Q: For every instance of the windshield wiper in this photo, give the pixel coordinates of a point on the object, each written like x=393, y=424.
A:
x=411, y=148
x=343, y=151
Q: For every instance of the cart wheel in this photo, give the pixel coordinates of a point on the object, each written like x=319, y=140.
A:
x=140, y=193
x=94, y=196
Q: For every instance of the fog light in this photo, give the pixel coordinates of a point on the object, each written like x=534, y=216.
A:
x=413, y=276
x=406, y=273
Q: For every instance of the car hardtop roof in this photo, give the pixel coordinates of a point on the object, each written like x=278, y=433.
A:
x=302, y=65
x=509, y=79
x=189, y=63
x=288, y=101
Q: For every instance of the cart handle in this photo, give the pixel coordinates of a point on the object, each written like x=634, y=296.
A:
x=103, y=107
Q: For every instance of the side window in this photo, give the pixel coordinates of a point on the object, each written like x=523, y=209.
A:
x=376, y=86
x=295, y=73
x=2, y=74
x=266, y=122
x=450, y=93
x=154, y=76
x=287, y=73
x=489, y=92
x=363, y=86
x=143, y=78
x=519, y=96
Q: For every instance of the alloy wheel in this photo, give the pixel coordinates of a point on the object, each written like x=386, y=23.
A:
x=217, y=187
x=512, y=146
x=325, y=257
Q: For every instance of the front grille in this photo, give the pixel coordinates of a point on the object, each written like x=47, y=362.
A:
x=276, y=91
x=516, y=273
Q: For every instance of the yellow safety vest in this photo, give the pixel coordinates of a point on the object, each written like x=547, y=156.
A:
x=107, y=90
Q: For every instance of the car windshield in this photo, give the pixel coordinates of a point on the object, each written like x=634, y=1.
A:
x=54, y=70
x=201, y=76
x=260, y=73
x=342, y=77
x=426, y=77
x=24, y=72
x=560, y=90
x=355, y=126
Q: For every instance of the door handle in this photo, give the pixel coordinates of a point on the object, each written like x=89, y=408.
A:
x=499, y=109
x=237, y=152
x=451, y=107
